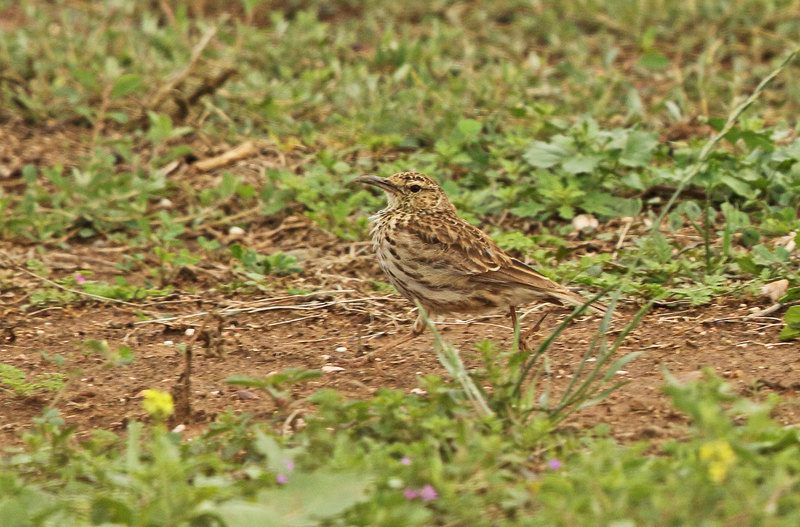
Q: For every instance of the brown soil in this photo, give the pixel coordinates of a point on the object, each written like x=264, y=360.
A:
x=323, y=329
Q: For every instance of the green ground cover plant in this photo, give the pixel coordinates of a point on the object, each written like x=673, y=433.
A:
x=676, y=118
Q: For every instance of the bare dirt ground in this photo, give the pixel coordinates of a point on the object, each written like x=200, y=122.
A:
x=323, y=329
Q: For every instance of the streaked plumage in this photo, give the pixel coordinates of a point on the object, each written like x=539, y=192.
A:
x=445, y=263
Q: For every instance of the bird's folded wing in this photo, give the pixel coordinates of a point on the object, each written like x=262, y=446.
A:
x=463, y=247
x=469, y=250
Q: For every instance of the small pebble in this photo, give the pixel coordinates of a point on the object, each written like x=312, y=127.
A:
x=340, y=349
x=585, y=222
x=180, y=428
x=236, y=231
x=168, y=343
x=190, y=332
x=246, y=395
x=331, y=369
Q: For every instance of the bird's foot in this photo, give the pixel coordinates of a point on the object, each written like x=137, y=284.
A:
x=530, y=333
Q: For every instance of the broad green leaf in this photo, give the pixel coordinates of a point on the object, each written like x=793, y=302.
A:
x=303, y=501
x=567, y=212
x=529, y=209
x=88, y=79
x=654, y=61
x=608, y=205
x=546, y=155
x=248, y=514
x=791, y=295
x=789, y=333
x=107, y=510
x=738, y=186
x=125, y=85
x=793, y=316
x=237, y=251
x=581, y=164
x=638, y=149
x=470, y=128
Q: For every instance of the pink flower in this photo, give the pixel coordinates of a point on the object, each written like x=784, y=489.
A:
x=405, y=461
x=554, y=464
x=79, y=278
x=428, y=493
x=282, y=479
x=410, y=493
x=289, y=465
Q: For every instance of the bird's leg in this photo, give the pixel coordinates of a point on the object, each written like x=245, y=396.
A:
x=416, y=331
x=523, y=338
x=535, y=328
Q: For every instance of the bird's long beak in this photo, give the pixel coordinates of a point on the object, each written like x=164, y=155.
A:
x=379, y=182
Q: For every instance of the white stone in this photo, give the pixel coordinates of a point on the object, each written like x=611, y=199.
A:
x=585, y=222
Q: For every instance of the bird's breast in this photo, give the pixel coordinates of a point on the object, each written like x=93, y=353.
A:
x=424, y=275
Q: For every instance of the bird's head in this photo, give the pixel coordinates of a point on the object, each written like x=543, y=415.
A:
x=411, y=192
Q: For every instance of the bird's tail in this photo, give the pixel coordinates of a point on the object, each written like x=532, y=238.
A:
x=564, y=295
x=560, y=294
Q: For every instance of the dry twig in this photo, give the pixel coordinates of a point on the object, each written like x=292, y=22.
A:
x=246, y=149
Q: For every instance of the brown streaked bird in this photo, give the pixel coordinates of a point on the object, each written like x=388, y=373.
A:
x=448, y=265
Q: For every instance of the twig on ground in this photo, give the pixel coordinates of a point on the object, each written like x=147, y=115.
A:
x=749, y=318
x=246, y=149
x=766, y=311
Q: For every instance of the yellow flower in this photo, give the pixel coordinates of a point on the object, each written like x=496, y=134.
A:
x=158, y=404
x=720, y=456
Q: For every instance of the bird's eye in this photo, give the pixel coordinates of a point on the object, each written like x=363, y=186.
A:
x=414, y=188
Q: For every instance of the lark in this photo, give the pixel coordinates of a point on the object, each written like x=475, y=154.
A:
x=447, y=265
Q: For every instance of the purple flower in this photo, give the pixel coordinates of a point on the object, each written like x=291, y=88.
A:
x=289, y=465
x=79, y=278
x=554, y=464
x=405, y=461
x=428, y=493
x=410, y=493
x=282, y=479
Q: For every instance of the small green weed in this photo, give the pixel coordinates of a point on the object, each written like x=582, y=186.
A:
x=79, y=287
x=119, y=356
x=256, y=266
x=791, y=330
x=14, y=380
